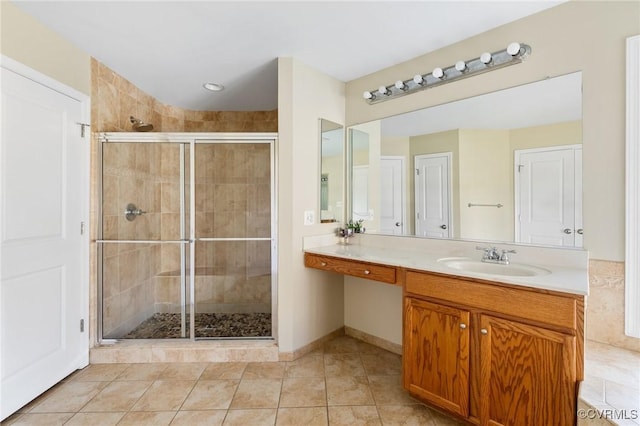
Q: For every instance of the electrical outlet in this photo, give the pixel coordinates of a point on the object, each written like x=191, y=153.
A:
x=309, y=217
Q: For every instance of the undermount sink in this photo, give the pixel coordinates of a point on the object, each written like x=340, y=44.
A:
x=512, y=269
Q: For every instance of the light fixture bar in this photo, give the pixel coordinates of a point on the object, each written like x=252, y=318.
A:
x=515, y=53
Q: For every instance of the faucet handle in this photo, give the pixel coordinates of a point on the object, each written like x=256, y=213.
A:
x=504, y=257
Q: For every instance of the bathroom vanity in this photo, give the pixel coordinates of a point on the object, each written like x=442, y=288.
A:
x=489, y=348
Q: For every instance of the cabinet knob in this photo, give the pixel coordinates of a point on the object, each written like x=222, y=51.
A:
x=483, y=331
x=323, y=263
x=463, y=326
x=367, y=272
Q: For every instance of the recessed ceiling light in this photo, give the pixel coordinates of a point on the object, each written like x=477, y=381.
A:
x=214, y=87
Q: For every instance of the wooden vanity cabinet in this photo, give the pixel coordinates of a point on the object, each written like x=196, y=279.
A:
x=527, y=374
x=485, y=352
x=436, y=354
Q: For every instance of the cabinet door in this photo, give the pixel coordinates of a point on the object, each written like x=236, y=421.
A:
x=527, y=374
x=436, y=354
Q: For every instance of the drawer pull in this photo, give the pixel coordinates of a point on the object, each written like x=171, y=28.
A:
x=367, y=272
x=323, y=263
x=463, y=326
x=483, y=331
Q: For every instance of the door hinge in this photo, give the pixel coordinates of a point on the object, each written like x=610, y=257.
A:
x=418, y=172
x=83, y=127
x=82, y=228
x=520, y=167
x=82, y=326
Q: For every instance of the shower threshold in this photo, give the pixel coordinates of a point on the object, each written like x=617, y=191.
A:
x=207, y=325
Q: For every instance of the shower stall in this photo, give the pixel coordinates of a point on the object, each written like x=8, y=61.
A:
x=186, y=245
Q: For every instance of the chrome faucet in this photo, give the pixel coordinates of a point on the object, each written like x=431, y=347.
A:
x=492, y=255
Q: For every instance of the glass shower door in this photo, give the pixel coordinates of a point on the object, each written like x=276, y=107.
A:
x=232, y=217
x=143, y=241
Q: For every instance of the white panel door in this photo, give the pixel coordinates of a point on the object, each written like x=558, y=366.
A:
x=547, y=205
x=392, y=195
x=433, y=195
x=43, y=254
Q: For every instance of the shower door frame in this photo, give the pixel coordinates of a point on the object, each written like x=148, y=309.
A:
x=189, y=139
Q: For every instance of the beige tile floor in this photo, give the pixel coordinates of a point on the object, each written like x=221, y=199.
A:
x=347, y=382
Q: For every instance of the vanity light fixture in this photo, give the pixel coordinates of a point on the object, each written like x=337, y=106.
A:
x=515, y=53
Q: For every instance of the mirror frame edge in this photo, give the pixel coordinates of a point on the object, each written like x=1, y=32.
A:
x=632, y=209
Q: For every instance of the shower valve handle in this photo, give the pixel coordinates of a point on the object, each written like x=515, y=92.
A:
x=132, y=212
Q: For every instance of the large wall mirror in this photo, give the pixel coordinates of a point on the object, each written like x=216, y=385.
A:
x=331, y=171
x=504, y=166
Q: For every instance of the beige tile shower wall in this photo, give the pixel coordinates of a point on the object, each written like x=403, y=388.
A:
x=155, y=184
x=605, y=305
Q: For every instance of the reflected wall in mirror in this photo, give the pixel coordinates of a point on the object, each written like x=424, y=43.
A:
x=331, y=171
x=504, y=166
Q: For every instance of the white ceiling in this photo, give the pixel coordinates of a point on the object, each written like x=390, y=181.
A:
x=170, y=48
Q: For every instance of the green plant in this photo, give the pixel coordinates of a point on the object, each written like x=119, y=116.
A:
x=356, y=226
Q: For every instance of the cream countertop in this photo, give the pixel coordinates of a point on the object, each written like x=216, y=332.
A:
x=569, y=279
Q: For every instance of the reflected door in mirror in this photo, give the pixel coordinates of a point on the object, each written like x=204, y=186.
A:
x=433, y=195
x=548, y=207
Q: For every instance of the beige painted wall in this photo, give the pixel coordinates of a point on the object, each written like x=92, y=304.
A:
x=567, y=133
x=484, y=178
x=28, y=41
x=310, y=302
x=574, y=36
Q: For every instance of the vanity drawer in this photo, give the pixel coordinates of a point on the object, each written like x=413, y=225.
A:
x=538, y=306
x=366, y=270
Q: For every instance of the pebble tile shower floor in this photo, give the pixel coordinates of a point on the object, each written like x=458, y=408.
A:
x=346, y=382
x=163, y=326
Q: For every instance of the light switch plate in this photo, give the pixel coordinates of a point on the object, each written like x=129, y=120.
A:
x=309, y=217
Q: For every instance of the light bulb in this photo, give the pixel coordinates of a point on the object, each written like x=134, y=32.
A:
x=461, y=66
x=513, y=49
x=368, y=96
x=383, y=90
x=400, y=85
x=418, y=79
x=485, y=58
x=438, y=73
